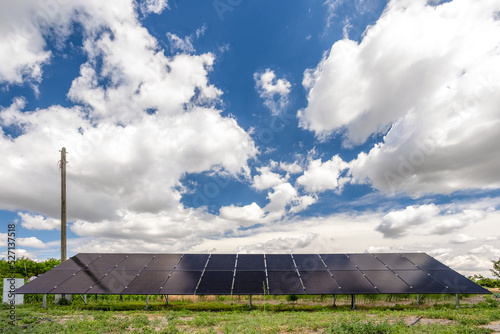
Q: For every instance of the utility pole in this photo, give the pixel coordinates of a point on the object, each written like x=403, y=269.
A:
x=62, y=166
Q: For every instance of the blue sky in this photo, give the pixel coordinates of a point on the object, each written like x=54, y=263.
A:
x=253, y=126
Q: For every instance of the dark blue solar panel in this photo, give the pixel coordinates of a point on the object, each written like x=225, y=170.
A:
x=387, y=282
x=80, y=282
x=279, y=262
x=250, y=283
x=106, y=262
x=366, y=262
x=163, y=262
x=113, y=282
x=149, y=282
x=284, y=283
x=77, y=262
x=216, y=283
x=221, y=262
x=182, y=283
x=353, y=282
x=425, y=262
x=155, y=274
x=456, y=282
x=421, y=282
x=193, y=262
x=319, y=283
x=395, y=261
x=135, y=262
x=46, y=282
x=308, y=262
x=338, y=262
x=250, y=262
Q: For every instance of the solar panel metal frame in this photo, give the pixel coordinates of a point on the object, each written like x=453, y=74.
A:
x=243, y=274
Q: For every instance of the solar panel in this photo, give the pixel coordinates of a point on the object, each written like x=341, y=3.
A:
x=308, y=262
x=192, y=262
x=216, y=283
x=221, y=262
x=421, y=282
x=395, y=261
x=456, y=282
x=279, y=262
x=177, y=274
x=319, y=283
x=80, y=282
x=250, y=262
x=163, y=262
x=366, y=262
x=135, y=262
x=424, y=261
x=250, y=283
x=114, y=282
x=148, y=282
x=46, y=282
x=353, y=282
x=78, y=261
x=337, y=262
x=284, y=283
x=182, y=283
x=106, y=262
x=387, y=282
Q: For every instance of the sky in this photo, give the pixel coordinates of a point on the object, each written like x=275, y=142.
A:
x=237, y=126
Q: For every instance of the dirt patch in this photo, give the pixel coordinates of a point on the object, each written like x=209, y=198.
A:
x=415, y=321
x=495, y=326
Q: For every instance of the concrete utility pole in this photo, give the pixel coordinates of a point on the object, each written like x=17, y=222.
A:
x=62, y=166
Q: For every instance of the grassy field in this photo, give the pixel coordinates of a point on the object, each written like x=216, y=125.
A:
x=373, y=314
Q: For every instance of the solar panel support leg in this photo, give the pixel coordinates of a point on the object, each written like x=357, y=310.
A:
x=334, y=300
x=353, y=300
x=457, y=301
x=418, y=299
x=147, y=302
x=84, y=298
x=250, y=301
x=44, y=301
x=166, y=299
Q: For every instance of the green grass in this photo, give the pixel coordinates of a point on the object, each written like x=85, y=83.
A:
x=232, y=315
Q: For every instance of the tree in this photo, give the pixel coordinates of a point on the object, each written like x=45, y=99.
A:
x=496, y=268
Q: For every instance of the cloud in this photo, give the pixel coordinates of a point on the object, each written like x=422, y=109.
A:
x=141, y=121
x=322, y=176
x=245, y=216
x=38, y=222
x=397, y=223
x=267, y=179
x=153, y=6
x=274, y=91
x=462, y=238
x=292, y=168
x=24, y=26
x=431, y=90
x=182, y=44
x=32, y=242
x=279, y=245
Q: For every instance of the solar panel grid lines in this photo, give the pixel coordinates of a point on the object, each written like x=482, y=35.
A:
x=359, y=259
x=138, y=274
x=329, y=272
x=234, y=273
x=267, y=275
x=298, y=273
x=203, y=272
x=251, y=274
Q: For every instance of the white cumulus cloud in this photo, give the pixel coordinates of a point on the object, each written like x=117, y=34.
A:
x=432, y=89
x=274, y=91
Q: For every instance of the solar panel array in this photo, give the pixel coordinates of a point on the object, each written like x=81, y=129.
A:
x=251, y=274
